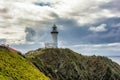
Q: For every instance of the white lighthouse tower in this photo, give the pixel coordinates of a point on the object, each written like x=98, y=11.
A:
x=54, y=34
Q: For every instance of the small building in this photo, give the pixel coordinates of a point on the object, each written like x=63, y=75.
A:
x=54, y=34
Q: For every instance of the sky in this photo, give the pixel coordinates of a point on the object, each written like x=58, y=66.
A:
x=90, y=27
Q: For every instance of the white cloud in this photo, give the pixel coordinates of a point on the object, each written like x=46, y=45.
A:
x=113, y=45
x=109, y=49
x=15, y=16
x=99, y=28
x=19, y=14
x=13, y=35
x=83, y=12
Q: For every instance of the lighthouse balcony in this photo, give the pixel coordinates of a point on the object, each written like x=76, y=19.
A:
x=50, y=45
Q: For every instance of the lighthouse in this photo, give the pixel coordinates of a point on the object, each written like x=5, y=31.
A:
x=54, y=34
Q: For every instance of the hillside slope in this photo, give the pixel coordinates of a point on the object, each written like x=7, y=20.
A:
x=14, y=67
x=64, y=64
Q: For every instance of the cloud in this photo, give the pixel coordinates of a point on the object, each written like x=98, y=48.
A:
x=30, y=34
x=116, y=25
x=2, y=41
x=83, y=12
x=12, y=35
x=17, y=16
x=108, y=49
x=37, y=16
x=94, y=46
x=113, y=5
x=99, y=28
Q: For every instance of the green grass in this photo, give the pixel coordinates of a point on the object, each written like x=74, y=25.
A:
x=65, y=64
x=16, y=67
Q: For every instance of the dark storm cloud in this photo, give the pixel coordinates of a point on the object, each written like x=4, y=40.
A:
x=3, y=10
x=71, y=32
x=44, y=4
x=76, y=34
x=36, y=35
x=111, y=35
x=30, y=34
x=114, y=5
x=2, y=41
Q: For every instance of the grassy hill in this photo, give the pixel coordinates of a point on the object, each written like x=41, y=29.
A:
x=64, y=64
x=14, y=67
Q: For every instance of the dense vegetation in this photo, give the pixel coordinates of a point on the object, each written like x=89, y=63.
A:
x=15, y=67
x=64, y=64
